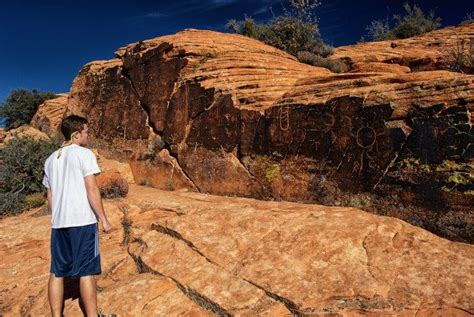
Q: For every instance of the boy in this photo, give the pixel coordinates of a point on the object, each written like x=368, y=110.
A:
x=76, y=207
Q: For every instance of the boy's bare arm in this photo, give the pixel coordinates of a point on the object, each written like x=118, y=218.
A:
x=93, y=194
x=50, y=199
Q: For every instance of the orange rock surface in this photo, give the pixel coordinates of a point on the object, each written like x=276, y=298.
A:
x=226, y=114
x=428, y=51
x=49, y=115
x=186, y=253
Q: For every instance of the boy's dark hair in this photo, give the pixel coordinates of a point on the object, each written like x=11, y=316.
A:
x=71, y=124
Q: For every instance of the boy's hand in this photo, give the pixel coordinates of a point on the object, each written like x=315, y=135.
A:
x=106, y=226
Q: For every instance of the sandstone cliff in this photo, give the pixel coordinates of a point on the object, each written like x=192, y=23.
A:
x=49, y=114
x=225, y=114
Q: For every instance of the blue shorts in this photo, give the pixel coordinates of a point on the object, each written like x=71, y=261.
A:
x=75, y=251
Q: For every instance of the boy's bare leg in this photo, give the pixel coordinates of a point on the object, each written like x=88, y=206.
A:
x=89, y=294
x=56, y=294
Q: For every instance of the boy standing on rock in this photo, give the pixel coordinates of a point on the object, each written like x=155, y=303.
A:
x=76, y=207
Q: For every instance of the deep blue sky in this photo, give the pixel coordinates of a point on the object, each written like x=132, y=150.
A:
x=43, y=44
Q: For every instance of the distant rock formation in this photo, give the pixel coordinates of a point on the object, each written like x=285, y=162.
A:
x=226, y=114
x=49, y=115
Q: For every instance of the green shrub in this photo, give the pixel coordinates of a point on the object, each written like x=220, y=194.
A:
x=287, y=33
x=469, y=18
x=316, y=60
x=461, y=58
x=379, y=30
x=22, y=161
x=20, y=106
x=413, y=22
x=272, y=172
x=295, y=31
x=290, y=34
x=11, y=203
x=34, y=200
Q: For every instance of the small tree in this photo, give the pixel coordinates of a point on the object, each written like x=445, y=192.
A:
x=461, y=57
x=469, y=18
x=22, y=160
x=295, y=32
x=20, y=106
x=304, y=10
x=413, y=22
x=290, y=34
x=379, y=30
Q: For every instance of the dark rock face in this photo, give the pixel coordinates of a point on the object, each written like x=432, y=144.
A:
x=153, y=75
x=107, y=98
x=233, y=116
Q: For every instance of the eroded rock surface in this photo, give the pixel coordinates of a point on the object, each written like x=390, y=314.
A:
x=195, y=254
x=49, y=115
x=225, y=114
x=430, y=51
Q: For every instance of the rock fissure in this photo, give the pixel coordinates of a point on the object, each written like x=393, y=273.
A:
x=175, y=234
x=143, y=106
x=192, y=294
x=186, y=174
x=111, y=270
x=290, y=305
x=146, y=109
x=376, y=303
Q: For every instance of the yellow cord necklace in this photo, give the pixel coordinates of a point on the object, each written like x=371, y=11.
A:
x=67, y=143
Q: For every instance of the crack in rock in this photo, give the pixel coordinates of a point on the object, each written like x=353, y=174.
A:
x=392, y=162
x=178, y=236
x=192, y=294
x=146, y=108
x=366, y=304
x=110, y=271
x=290, y=305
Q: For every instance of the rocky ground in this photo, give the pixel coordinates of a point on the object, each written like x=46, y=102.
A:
x=183, y=253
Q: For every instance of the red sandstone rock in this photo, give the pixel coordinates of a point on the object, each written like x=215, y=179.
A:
x=430, y=51
x=232, y=113
x=49, y=115
x=201, y=255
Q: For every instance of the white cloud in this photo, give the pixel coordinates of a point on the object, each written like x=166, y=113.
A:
x=154, y=15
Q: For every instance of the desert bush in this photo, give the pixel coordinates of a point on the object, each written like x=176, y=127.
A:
x=316, y=60
x=20, y=106
x=34, y=200
x=455, y=226
x=461, y=57
x=469, y=18
x=114, y=188
x=413, y=22
x=288, y=33
x=22, y=161
x=379, y=30
x=295, y=31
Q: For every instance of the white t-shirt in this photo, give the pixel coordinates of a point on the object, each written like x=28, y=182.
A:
x=64, y=176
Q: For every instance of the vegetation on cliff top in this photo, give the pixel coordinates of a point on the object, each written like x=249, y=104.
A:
x=413, y=22
x=296, y=32
x=20, y=106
